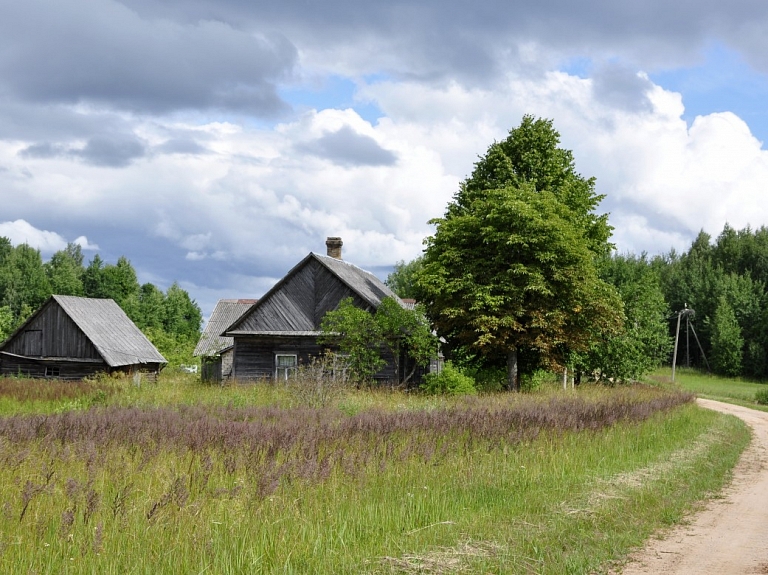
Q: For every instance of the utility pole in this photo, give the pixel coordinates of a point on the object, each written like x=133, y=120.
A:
x=677, y=336
x=688, y=313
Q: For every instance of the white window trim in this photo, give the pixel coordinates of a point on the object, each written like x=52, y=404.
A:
x=285, y=370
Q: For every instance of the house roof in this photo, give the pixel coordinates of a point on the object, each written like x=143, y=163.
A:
x=363, y=283
x=226, y=312
x=110, y=330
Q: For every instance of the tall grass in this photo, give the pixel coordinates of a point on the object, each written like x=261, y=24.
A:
x=505, y=484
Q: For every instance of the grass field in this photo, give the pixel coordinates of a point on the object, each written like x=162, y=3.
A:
x=177, y=477
x=730, y=390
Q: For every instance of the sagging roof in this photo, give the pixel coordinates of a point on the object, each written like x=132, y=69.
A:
x=111, y=331
x=226, y=312
x=113, y=334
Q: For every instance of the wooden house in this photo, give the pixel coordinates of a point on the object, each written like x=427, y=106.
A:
x=215, y=350
x=280, y=331
x=73, y=337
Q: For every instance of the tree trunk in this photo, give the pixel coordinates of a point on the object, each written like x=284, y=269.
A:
x=513, y=382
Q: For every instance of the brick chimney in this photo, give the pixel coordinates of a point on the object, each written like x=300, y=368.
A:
x=334, y=247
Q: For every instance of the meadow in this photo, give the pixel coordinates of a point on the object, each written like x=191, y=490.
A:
x=739, y=391
x=179, y=477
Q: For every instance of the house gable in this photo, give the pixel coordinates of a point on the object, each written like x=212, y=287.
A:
x=298, y=303
x=51, y=333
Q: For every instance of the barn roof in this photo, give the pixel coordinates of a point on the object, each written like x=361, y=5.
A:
x=226, y=312
x=110, y=330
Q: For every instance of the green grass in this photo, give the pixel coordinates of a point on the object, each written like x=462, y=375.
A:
x=572, y=502
x=730, y=390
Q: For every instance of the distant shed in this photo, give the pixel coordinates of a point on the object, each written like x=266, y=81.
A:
x=73, y=337
x=215, y=350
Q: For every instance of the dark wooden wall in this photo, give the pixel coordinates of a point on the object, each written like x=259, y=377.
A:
x=52, y=334
x=301, y=301
x=255, y=355
x=70, y=370
x=11, y=366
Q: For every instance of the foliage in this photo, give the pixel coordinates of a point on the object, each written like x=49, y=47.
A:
x=450, y=381
x=23, y=281
x=320, y=382
x=406, y=333
x=7, y=322
x=534, y=381
x=402, y=280
x=761, y=397
x=357, y=335
x=644, y=342
x=727, y=342
x=65, y=271
x=362, y=336
x=177, y=350
x=511, y=264
x=733, y=266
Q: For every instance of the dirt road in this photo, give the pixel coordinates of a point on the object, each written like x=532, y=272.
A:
x=730, y=536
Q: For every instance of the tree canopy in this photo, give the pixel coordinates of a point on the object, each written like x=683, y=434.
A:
x=511, y=265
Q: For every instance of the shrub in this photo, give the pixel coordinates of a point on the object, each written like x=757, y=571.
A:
x=533, y=381
x=450, y=381
x=321, y=381
x=488, y=379
x=761, y=397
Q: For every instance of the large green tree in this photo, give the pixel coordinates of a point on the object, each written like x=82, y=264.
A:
x=727, y=343
x=402, y=280
x=511, y=265
x=645, y=341
x=65, y=271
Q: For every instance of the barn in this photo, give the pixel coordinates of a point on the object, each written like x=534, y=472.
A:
x=280, y=331
x=73, y=337
x=215, y=350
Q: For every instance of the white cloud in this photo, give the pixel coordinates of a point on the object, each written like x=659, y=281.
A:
x=257, y=203
x=48, y=242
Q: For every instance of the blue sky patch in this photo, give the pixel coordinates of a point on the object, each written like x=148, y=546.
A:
x=723, y=82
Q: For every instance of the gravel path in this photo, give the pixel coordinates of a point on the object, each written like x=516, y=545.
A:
x=730, y=536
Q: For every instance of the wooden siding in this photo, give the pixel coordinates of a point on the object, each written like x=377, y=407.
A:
x=52, y=334
x=301, y=301
x=329, y=292
x=11, y=365
x=210, y=369
x=254, y=356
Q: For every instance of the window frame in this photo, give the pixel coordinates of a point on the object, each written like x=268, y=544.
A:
x=287, y=370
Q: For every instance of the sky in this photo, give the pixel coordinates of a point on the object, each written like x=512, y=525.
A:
x=217, y=142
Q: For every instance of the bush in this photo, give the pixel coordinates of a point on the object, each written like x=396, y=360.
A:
x=533, y=381
x=488, y=379
x=321, y=381
x=450, y=381
x=761, y=397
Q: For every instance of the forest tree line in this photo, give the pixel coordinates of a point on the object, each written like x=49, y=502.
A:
x=724, y=280
x=170, y=319
x=520, y=275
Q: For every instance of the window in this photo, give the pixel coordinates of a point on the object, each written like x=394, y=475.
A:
x=52, y=371
x=285, y=365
